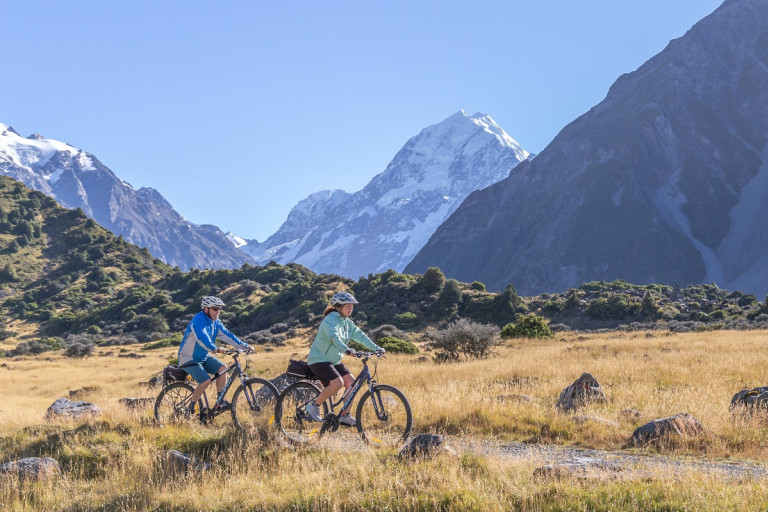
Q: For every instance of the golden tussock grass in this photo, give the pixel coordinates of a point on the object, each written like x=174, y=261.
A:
x=112, y=462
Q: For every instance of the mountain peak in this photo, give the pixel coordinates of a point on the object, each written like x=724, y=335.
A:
x=386, y=223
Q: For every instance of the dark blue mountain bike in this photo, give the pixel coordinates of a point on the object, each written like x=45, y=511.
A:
x=383, y=413
x=252, y=403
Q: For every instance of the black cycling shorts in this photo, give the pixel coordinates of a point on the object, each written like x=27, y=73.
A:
x=327, y=372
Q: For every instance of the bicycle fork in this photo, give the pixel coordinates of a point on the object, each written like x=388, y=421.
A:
x=378, y=404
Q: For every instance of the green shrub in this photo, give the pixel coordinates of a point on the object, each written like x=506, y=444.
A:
x=528, y=326
x=433, y=280
x=406, y=320
x=477, y=286
x=615, y=307
x=397, y=346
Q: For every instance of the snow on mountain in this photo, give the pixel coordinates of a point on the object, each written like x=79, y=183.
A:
x=384, y=225
x=76, y=179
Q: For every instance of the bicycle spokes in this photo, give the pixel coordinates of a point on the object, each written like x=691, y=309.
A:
x=384, y=416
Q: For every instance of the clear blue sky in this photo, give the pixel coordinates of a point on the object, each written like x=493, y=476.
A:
x=237, y=110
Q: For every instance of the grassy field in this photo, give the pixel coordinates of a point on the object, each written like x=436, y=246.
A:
x=111, y=462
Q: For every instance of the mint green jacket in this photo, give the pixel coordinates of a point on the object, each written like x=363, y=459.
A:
x=333, y=337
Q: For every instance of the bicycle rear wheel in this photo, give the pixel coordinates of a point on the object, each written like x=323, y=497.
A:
x=253, y=404
x=291, y=417
x=172, y=404
x=384, y=418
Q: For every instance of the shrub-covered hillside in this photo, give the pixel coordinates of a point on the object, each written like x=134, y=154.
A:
x=66, y=280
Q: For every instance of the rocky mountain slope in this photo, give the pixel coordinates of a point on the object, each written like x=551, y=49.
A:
x=664, y=181
x=76, y=179
x=385, y=224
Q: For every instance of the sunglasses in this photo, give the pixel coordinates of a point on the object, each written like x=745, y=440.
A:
x=215, y=309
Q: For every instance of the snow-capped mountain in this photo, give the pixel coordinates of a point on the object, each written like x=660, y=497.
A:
x=665, y=180
x=76, y=179
x=384, y=225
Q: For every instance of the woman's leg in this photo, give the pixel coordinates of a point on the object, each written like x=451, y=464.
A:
x=329, y=390
x=348, y=380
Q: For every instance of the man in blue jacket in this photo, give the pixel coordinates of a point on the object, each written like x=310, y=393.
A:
x=199, y=339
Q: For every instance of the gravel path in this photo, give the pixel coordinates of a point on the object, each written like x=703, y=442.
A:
x=615, y=461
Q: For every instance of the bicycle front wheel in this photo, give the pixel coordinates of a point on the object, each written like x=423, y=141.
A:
x=384, y=417
x=253, y=404
x=291, y=417
x=172, y=404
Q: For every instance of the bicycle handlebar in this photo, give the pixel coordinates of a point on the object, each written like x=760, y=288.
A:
x=236, y=351
x=361, y=355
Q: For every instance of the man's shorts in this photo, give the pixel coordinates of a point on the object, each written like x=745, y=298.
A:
x=327, y=372
x=200, y=371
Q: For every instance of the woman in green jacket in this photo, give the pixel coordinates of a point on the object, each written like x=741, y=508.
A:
x=331, y=343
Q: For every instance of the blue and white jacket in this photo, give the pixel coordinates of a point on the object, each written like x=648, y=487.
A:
x=200, y=336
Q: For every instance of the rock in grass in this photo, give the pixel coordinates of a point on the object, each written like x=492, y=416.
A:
x=34, y=468
x=682, y=424
x=425, y=445
x=584, y=390
x=756, y=398
x=63, y=407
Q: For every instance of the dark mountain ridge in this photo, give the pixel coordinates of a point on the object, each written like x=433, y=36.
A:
x=660, y=182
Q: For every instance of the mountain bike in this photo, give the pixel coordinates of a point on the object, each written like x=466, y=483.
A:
x=252, y=403
x=383, y=413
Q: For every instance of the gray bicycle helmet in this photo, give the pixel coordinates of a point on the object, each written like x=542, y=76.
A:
x=343, y=298
x=211, y=302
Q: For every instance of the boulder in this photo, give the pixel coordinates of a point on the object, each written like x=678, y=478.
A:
x=174, y=460
x=155, y=382
x=682, y=424
x=584, y=390
x=283, y=381
x=425, y=445
x=756, y=398
x=63, y=407
x=35, y=468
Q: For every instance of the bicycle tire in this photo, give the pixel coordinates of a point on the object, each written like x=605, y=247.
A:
x=292, y=420
x=259, y=411
x=172, y=403
x=392, y=425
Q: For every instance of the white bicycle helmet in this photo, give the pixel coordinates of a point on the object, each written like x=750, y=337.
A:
x=343, y=298
x=211, y=302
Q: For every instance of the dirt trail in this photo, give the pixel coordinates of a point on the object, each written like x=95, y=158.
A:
x=551, y=454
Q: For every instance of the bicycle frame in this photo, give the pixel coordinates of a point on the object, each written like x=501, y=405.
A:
x=349, y=396
x=236, y=371
x=346, y=400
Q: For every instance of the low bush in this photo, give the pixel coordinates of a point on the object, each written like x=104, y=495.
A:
x=528, y=326
x=78, y=350
x=397, y=346
x=464, y=338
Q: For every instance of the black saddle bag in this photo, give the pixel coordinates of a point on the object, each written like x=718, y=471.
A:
x=299, y=369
